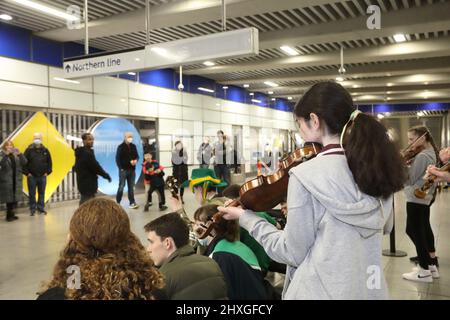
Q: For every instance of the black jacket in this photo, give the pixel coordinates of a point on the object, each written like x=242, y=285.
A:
x=125, y=153
x=87, y=169
x=39, y=161
x=244, y=283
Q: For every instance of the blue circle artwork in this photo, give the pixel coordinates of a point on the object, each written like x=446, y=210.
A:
x=109, y=134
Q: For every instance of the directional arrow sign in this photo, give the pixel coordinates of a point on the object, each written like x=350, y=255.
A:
x=230, y=44
x=104, y=64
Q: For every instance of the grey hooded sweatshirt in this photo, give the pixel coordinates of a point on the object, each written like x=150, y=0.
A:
x=332, y=241
x=416, y=172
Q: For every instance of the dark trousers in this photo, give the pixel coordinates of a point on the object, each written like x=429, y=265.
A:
x=86, y=197
x=223, y=173
x=160, y=190
x=39, y=183
x=181, y=192
x=128, y=176
x=418, y=228
x=10, y=210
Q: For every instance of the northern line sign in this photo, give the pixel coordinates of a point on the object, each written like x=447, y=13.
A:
x=229, y=44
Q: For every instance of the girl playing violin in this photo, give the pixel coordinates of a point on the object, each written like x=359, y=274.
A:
x=418, y=226
x=338, y=203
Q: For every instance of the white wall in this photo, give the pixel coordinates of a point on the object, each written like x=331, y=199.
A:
x=183, y=116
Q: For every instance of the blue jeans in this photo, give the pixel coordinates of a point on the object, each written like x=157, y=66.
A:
x=40, y=183
x=128, y=176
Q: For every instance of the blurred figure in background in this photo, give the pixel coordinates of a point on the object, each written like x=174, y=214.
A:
x=11, y=163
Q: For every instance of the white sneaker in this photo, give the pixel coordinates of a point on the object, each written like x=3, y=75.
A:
x=434, y=271
x=133, y=206
x=419, y=275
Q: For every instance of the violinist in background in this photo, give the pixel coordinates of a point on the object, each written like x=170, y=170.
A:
x=418, y=226
x=339, y=202
x=442, y=176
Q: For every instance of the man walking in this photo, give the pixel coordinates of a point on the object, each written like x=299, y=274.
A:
x=87, y=169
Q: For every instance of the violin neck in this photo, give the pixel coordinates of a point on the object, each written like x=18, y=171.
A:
x=445, y=167
x=234, y=203
x=413, y=143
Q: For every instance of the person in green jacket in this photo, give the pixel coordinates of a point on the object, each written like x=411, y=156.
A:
x=232, y=192
x=188, y=276
x=238, y=263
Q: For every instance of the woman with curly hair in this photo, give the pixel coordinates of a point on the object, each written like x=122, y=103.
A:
x=103, y=259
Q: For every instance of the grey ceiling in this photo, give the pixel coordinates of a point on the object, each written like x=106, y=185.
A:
x=377, y=67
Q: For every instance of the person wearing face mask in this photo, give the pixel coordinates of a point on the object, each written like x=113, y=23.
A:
x=11, y=165
x=87, y=169
x=126, y=159
x=180, y=165
x=39, y=166
x=204, y=154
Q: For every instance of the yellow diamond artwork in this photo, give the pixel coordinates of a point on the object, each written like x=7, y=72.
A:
x=63, y=157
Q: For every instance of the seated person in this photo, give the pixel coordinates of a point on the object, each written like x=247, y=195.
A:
x=232, y=192
x=108, y=258
x=203, y=184
x=188, y=276
x=153, y=174
x=238, y=263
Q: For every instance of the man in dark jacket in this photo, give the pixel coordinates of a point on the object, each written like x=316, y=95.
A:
x=39, y=166
x=126, y=159
x=87, y=169
x=188, y=276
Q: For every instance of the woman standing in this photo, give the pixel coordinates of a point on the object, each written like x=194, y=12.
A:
x=418, y=226
x=11, y=163
x=179, y=165
x=338, y=203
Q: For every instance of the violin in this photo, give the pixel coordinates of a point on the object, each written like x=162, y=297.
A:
x=412, y=150
x=265, y=192
x=422, y=192
x=174, y=185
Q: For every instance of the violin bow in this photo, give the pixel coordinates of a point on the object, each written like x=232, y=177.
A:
x=413, y=143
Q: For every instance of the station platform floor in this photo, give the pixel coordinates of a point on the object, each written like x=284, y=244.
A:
x=30, y=246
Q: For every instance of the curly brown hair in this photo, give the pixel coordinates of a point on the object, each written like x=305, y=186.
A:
x=113, y=263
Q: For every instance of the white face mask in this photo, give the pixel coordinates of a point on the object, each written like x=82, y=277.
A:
x=129, y=140
x=203, y=242
x=37, y=141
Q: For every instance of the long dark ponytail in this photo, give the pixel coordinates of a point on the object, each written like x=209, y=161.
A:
x=420, y=131
x=372, y=157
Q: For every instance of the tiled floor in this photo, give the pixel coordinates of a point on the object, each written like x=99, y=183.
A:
x=30, y=246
